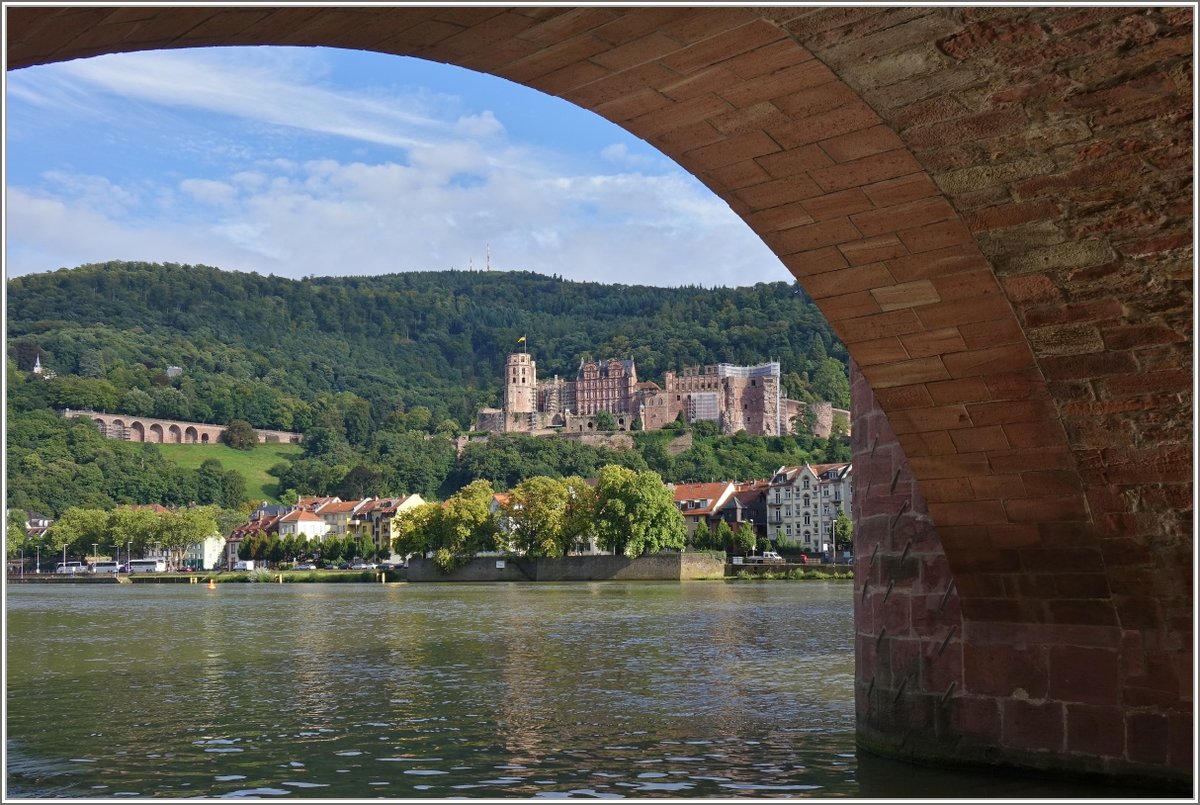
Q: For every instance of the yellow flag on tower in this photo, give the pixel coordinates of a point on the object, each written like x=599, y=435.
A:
x=521, y=340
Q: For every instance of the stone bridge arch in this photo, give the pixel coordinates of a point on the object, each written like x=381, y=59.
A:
x=992, y=207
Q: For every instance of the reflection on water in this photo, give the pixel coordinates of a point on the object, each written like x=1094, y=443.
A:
x=611, y=689
x=705, y=689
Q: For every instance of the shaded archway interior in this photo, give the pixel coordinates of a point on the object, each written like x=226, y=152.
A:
x=992, y=207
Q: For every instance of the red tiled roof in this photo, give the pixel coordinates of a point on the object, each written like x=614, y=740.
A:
x=339, y=507
x=713, y=493
x=298, y=515
x=313, y=502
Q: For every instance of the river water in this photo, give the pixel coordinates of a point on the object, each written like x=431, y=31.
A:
x=702, y=689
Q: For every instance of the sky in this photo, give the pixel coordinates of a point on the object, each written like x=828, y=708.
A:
x=320, y=162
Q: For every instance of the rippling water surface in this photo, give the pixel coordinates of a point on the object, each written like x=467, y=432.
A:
x=704, y=689
x=606, y=689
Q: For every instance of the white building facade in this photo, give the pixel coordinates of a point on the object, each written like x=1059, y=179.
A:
x=803, y=504
x=205, y=555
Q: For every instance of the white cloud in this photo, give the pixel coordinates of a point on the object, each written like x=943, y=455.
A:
x=326, y=217
x=619, y=154
x=268, y=91
x=208, y=191
x=456, y=183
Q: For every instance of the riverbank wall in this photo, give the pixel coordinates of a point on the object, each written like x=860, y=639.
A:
x=659, y=567
x=62, y=578
x=781, y=568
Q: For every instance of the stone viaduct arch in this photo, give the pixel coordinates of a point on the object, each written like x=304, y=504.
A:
x=992, y=206
x=166, y=431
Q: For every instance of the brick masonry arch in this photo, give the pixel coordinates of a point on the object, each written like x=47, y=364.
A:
x=993, y=208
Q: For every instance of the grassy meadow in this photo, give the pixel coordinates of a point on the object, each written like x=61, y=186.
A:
x=252, y=464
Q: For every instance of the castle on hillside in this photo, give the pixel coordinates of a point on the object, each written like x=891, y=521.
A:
x=736, y=398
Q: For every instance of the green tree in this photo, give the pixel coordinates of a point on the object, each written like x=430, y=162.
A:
x=240, y=435
x=180, y=530
x=362, y=481
x=333, y=549
x=579, y=515
x=77, y=530
x=535, y=514
x=132, y=528
x=91, y=363
x=15, y=535
x=636, y=513
x=247, y=547
x=831, y=382
x=605, y=421
x=70, y=391
x=469, y=525
x=745, y=540
x=418, y=418
x=275, y=549
x=137, y=402
x=723, y=539
x=417, y=529
x=805, y=421
x=843, y=531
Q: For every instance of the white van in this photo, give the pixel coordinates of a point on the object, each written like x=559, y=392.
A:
x=244, y=564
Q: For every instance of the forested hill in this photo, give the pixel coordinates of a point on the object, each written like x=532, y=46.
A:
x=277, y=352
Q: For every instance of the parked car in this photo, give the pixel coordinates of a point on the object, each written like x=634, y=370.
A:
x=364, y=566
x=344, y=566
x=306, y=566
x=767, y=557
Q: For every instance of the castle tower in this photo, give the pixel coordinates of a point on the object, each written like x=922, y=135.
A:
x=520, y=388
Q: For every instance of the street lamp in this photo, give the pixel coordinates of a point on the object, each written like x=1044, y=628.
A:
x=129, y=552
x=38, y=568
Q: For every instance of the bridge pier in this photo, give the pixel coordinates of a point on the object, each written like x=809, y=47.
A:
x=938, y=679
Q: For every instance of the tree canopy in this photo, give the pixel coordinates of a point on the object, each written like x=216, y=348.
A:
x=378, y=373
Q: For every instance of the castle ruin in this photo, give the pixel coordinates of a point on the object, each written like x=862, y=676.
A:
x=736, y=398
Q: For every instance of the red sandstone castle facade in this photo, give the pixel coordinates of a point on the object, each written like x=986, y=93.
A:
x=737, y=398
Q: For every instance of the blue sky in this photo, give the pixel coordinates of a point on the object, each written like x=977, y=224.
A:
x=310, y=161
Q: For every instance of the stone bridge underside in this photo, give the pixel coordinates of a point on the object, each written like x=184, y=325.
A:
x=992, y=206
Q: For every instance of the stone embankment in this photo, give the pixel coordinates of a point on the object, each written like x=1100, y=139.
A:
x=660, y=567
